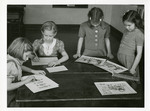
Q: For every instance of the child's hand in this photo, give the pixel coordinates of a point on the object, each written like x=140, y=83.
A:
x=110, y=56
x=29, y=79
x=132, y=71
x=77, y=55
x=41, y=72
x=36, y=59
x=53, y=64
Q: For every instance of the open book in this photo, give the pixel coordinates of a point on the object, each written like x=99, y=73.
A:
x=91, y=60
x=41, y=83
x=102, y=63
x=112, y=67
x=114, y=88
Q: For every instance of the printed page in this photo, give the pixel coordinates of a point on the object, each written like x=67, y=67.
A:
x=41, y=83
x=114, y=88
x=44, y=60
x=56, y=69
x=112, y=67
x=91, y=60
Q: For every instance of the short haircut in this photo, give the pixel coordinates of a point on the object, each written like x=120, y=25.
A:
x=49, y=25
x=18, y=47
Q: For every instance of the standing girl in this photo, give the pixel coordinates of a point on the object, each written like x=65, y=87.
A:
x=96, y=33
x=17, y=53
x=130, y=50
x=48, y=45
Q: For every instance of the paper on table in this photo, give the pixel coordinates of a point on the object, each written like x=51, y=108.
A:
x=114, y=88
x=112, y=67
x=91, y=60
x=44, y=60
x=42, y=83
x=56, y=69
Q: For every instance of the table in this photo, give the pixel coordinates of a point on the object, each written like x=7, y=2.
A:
x=77, y=89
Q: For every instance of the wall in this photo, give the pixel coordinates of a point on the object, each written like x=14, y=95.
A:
x=117, y=13
x=37, y=14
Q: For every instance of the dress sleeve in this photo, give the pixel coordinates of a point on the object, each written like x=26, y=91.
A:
x=61, y=47
x=107, y=34
x=11, y=70
x=140, y=39
x=82, y=32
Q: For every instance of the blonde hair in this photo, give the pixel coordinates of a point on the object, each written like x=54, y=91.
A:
x=49, y=25
x=18, y=47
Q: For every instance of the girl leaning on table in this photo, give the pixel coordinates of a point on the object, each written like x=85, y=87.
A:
x=96, y=34
x=130, y=50
x=17, y=53
x=48, y=45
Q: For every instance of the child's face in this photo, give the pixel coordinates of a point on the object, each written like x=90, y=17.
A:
x=129, y=25
x=26, y=55
x=48, y=35
x=95, y=23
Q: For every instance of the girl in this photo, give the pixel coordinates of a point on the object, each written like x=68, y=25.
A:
x=48, y=45
x=17, y=53
x=96, y=33
x=130, y=50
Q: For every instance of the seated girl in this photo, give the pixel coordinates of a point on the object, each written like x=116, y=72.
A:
x=17, y=53
x=48, y=45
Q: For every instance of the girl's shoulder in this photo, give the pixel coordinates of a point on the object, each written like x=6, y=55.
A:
x=59, y=42
x=84, y=24
x=105, y=25
x=38, y=41
x=12, y=60
x=138, y=31
x=11, y=64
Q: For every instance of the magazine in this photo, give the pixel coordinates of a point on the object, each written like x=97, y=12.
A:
x=114, y=88
x=91, y=60
x=112, y=67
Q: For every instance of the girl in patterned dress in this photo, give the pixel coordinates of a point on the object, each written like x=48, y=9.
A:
x=48, y=45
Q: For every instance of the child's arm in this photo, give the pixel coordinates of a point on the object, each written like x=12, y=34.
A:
x=35, y=45
x=109, y=54
x=137, y=59
x=80, y=42
x=35, y=58
x=64, y=58
x=12, y=86
x=27, y=69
